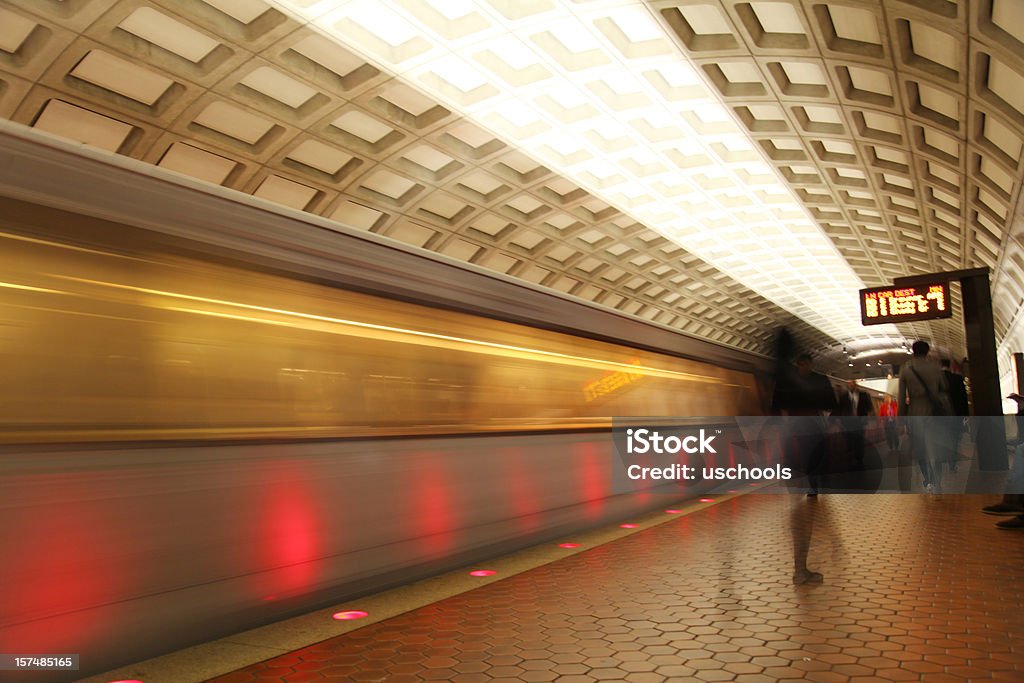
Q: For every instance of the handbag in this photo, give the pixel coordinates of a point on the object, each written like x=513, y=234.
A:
x=940, y=408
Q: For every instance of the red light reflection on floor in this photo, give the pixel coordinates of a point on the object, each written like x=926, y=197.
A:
x=568, y=545
x=673, y=511
x=483, y=572
x=628, y=526
x=349, y=615
x=707, y=500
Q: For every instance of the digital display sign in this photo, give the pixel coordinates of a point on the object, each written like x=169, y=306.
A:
x=905, y=304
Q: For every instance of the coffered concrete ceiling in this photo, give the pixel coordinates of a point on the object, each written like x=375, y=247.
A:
x=718, y=167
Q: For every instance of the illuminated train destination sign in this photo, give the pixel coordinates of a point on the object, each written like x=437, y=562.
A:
x=905, y=304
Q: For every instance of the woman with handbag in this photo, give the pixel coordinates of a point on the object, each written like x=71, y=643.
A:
x=923, y=393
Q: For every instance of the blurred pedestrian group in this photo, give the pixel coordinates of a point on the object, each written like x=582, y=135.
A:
x=924, y=424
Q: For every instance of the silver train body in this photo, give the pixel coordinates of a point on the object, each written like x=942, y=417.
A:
x=218, y=414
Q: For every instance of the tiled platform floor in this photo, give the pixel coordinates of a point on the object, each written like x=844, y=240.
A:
x=916, y=588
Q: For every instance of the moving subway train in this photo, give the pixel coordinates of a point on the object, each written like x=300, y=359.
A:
x=211, y=421
x=135, y=345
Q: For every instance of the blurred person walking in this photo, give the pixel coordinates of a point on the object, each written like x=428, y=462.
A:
x=923, y=394
x=887, y=414
x=854, y=410
x=803, y=397
x=960, y=408
x=809, y=395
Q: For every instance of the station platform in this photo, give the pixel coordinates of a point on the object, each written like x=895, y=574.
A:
x=915, y=588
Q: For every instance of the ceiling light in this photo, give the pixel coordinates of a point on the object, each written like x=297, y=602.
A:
x=575, y=54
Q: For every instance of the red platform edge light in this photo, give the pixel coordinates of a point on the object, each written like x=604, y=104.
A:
x=483, y=572
x=127, y=680
x=707, y=500
x=673, y=511
x=628, y=526
x=568, y=545
x=349, y=615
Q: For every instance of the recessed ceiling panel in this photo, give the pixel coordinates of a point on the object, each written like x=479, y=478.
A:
x=121, y=76
x=82, y=125
x=168, y=33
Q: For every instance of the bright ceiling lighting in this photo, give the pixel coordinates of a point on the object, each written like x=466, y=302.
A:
x=600, y=93
x=881, y=352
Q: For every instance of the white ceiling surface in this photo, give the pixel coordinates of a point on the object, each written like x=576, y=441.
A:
x=685, y=162
x=601, y=95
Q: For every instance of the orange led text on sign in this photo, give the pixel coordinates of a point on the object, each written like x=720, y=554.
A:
x=891, y=305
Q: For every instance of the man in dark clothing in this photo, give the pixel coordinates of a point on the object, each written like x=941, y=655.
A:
x=958, y=399
x=957, y=389
x=854, y=409
x=808, y=395
x=1013, y=500
x=803, y=392
x=805, y=396
x=854, y=401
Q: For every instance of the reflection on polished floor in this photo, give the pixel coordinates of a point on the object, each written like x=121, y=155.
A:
x=915, y=588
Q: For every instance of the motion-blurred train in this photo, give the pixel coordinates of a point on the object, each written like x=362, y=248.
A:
x=123, y=343
x=218, y=413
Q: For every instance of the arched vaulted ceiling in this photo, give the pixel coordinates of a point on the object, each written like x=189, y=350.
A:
x=719, y=167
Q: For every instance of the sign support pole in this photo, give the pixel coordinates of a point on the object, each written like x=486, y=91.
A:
x=1018, y=365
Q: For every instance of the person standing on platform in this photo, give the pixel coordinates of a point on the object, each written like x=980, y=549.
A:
x=923, y=394
x=803, y=397
x=809, y=395
x=958, y=400
x=887, y=414
x=1013, y=500
x=854, y=409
